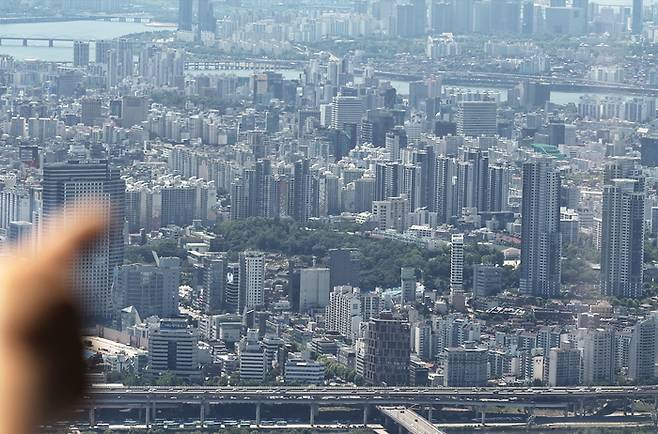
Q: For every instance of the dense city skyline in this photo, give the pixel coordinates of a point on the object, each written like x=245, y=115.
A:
x=372, y=197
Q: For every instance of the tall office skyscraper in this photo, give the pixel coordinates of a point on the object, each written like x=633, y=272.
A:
x=63, y=185
x=636, y=22
x=476, y=118
x=622, y=234
x=232, y=288
x=346, y=110
x=387, y=351
x=213, y=281
x=185, y=15
x=540, y=229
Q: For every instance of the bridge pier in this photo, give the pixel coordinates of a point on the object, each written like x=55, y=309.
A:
x=202, y=412
x=258, y=414
x=582, y=408
x=429, y=414
x=92, y=417
x=365, y=415
x=483, y=416
x=147, y=412
x=51, y=43
x=24, y=42
x=314, y=411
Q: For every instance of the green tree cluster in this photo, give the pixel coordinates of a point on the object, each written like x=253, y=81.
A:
x=576, y=266
x=334, y=369
x=144, y=254
x=381, y=259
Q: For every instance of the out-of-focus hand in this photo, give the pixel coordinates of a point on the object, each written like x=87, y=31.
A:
x=41, y=360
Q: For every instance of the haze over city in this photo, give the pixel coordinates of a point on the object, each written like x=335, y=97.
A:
x=432, y=216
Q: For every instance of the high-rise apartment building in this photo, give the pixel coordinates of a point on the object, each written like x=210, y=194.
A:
x=642, y=351
x=408, y=284
x=252, y=279
x=392, y=213
x=80, y=53
x=64, y=184
x=457, y=262
x=185, y=15
x=303, y=198
x=622, y=230
x=343, y=313
x=540, y=229
x=637, y=17
x=599, y=356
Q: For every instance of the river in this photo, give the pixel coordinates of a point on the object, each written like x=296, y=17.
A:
x=91, y=30
x=63, y=51
x=402, y=87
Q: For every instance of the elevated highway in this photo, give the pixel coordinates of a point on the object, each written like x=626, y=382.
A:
x=509, y=80
x=558, y=398
x=247, y=64
x=409, y=420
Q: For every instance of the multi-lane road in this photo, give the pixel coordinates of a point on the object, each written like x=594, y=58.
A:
x=151, y=399
x=113, y=395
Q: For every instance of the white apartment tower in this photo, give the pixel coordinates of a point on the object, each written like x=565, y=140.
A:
x=457, y=262
x=252, y=279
